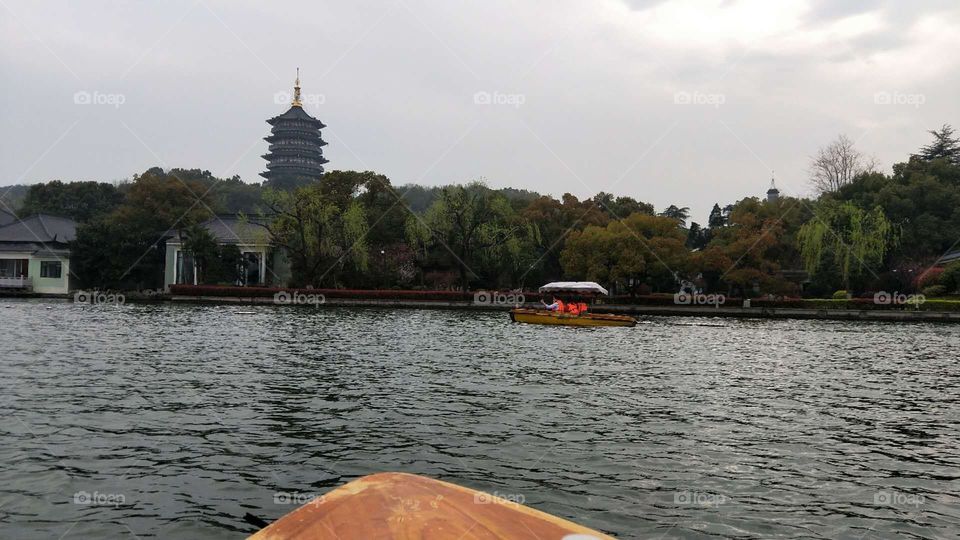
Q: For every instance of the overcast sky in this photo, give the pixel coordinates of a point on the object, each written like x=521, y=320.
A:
x=686, y=103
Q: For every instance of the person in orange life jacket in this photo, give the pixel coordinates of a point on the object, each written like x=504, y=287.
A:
x=573, y=308
x=557, y=305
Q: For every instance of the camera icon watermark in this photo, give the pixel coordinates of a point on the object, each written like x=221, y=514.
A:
x=513, y=499
x=99, y=499
x=699, y=498
x=298, y=298
x=699, y=299
x=297, y=498
x=284, y=97
x=685, y=97
x=884, y=298
x=496, y=298
x=98, y=297
x=898, y=98
x=897, y=498
x=499, y=98
x=84, y=97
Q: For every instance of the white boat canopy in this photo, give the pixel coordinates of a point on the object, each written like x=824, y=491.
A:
x=581, y=287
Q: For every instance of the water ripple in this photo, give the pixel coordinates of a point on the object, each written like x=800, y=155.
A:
x=177, y=420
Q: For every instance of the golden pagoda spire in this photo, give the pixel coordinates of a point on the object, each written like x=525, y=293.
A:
x=296, y=91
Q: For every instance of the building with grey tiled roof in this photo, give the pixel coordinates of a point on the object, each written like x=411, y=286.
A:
x=35, y=254
x=262, y=263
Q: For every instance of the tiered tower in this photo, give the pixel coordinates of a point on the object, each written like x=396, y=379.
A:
x=773, y=194
x=296, y=148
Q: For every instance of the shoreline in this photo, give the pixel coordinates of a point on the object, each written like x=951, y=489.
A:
x=678, y=311
x=840, y=314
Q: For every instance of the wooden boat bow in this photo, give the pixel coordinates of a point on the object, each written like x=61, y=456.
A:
x=400, y=506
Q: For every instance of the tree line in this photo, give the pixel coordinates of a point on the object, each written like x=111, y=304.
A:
x=865, y=230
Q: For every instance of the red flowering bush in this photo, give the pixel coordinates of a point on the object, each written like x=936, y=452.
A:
x=353, y=294
x=929, y=278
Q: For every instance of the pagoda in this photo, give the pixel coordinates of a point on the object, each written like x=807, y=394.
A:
x=773, y=194
x=296, y=149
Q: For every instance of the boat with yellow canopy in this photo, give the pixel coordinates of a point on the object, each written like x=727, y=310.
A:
x=573, y=292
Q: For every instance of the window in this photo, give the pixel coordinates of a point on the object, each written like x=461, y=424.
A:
x=50, y=269
x=13, y=267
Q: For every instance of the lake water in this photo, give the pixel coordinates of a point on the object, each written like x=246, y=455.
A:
x=174, y=421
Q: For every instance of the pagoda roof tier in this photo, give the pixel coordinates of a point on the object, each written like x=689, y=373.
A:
x=299, y=128
x=308, y=172
x=296, y=113
x=293, y=171
x=275, y=159
x=313, y=138
x=312, y=148
x=292, y=152
x=285, y=161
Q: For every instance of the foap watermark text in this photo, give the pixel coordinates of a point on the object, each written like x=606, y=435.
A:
x=297, y=498
x=699, y=498
x=495, y=298
x=285, y=98
x=897, y=498
x=698, y=299
x=899, y=98
x=499, y=98
x=299, y=298
x=515, y=499
x=685, y=97
x=99, y=499
x=99, y=297
x=884, y=298
x=83, y=97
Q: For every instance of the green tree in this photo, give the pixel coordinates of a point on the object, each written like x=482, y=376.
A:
x=323, y=232
x=205, y=251
x=80, y=201
x=950, y=278
x=848, y=238
x=125, y=248
x=234, y=196
x=758, y=240
x=471, y=223
x=717, y=217
x=641, y=249
x=677, y=213
x=922, y=198
x=697, y=237
x=944, y=146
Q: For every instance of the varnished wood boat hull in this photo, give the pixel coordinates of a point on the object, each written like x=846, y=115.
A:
x=542, y=316
x=398, y=506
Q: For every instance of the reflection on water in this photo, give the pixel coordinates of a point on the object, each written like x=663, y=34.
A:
x=158, y=420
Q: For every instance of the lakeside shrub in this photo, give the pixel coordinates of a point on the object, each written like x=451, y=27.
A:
x=929, y=277
x=857, y=304
x=356, y=294
x=841, y=295
x=950, y=277
x=934, y=291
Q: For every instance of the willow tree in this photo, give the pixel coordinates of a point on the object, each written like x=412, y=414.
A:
x=322, y=236
x=849, y=238
x=472, y=223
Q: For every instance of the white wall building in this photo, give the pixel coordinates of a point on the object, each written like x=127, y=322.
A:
x=35, y=253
